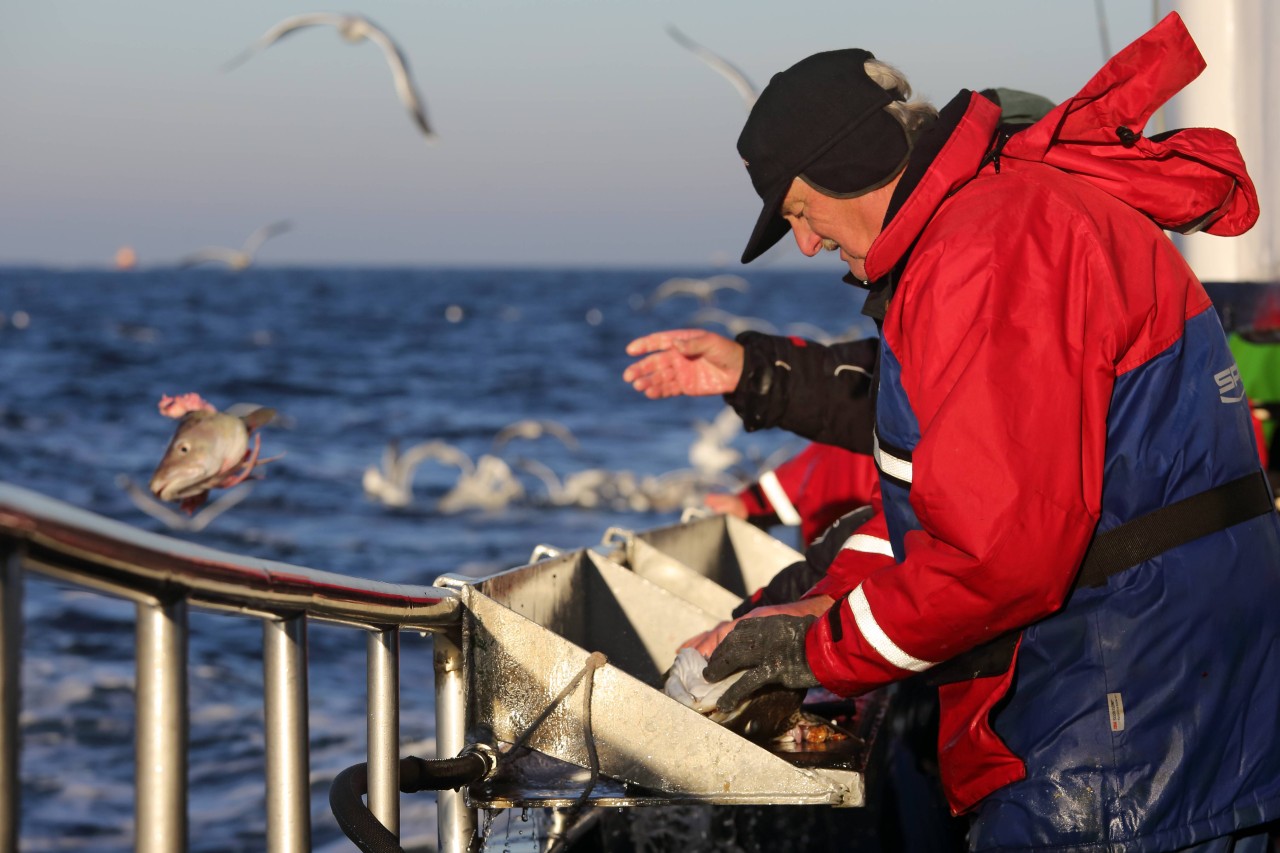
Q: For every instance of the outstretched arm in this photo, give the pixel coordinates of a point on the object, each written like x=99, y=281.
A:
x=691, y=362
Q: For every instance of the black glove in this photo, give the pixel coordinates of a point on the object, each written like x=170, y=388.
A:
x=795, y=580
x=787, y=586
x=770, y=649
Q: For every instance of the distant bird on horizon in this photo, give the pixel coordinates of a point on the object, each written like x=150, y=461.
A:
x=703, y=289
x=353, y=29
x=236, y=259
x=721, y=65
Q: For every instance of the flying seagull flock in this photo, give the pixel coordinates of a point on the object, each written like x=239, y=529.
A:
x=354, y=29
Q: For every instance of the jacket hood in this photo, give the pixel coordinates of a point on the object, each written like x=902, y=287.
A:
x=1185, y=180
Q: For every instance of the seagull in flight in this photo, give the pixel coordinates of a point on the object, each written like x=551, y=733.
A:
x=703, y=289
x=721, y=65
x=735, y=323
x=353, y=29
x=237, y=259
x=144, y=501
x=392, y=484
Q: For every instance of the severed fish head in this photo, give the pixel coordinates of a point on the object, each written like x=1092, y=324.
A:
x=209, y=449
x=205, y=447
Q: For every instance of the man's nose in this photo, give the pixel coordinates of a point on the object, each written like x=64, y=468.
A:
x=808, y=242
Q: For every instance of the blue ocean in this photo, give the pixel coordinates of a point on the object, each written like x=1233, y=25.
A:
x=352, y=360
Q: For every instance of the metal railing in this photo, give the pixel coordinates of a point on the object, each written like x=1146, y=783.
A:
x=165, y=577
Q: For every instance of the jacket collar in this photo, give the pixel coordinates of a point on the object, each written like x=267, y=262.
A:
x=956, y=163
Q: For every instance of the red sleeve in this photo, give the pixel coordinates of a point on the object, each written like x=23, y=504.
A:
x=814, y=488
x=835, y=482
x=864, y=553
x=755, y=502
x=1009, y=375
x=783, y=488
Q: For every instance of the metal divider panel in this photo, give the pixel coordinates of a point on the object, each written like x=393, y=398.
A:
x=759, y=555
x=662, y=750
x=666, y=571
x=702, y=545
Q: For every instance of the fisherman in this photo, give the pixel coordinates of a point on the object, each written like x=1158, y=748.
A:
x=1068, y=487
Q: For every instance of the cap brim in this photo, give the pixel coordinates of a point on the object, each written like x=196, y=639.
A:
x=770, y=227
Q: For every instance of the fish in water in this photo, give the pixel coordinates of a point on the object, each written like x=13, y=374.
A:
x=209, y=450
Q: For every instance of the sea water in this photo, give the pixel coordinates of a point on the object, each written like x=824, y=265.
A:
x=351, y=359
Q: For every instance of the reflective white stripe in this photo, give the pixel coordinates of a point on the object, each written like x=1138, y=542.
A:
x=868, y=544
x=899, y=469
x=782, y=506
x=878, y=639
x=851, y=367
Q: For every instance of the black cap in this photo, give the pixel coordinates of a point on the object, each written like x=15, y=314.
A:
x=822, y=118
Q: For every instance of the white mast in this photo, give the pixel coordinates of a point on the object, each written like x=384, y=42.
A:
x=1238, y=92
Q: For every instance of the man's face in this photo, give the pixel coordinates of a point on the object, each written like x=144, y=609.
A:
x=849, y=225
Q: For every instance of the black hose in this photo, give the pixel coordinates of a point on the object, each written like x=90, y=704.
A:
x=424, y=774
x=346, y=794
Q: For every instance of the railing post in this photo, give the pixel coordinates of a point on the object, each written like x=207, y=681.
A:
x=384, y=727
x=456, y=822
x=284, y=671
x=10, y=692
x=160, y=810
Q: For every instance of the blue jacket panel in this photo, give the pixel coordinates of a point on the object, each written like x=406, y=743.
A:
x=1145, y=710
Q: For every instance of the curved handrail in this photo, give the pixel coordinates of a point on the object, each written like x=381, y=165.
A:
x=64, y=539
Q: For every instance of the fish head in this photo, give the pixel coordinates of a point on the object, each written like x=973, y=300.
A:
x=204, y=447
x=761, y=716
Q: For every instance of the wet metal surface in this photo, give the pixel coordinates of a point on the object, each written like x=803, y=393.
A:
x=529, y=632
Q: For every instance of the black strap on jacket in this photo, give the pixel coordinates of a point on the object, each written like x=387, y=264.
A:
x=1126, y=546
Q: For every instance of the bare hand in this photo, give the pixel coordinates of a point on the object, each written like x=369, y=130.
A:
x=707, y=641
x=691, y=362
x=727, y=505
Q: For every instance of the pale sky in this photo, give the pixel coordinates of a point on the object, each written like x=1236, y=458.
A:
x=571, y=133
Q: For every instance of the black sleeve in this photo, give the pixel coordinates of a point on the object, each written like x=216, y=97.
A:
x=787, y=586
x=823, y=393
x=798, y=578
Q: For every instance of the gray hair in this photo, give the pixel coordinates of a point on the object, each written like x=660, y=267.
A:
x=914, y=116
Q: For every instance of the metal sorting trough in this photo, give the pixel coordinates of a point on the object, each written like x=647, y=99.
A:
x=505, y=647
x=528, y=632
